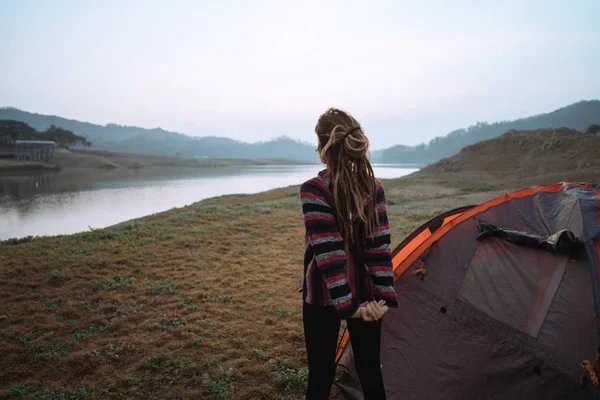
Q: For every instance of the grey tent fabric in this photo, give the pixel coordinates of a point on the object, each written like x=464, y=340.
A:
x=512, y=284
x=495, y=319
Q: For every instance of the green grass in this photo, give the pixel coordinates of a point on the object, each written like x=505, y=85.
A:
x=58, y=350
x=132, y=308
x=114, y=349
x=65, y=393
x=166, y=323
x=35, y=335
x=222, y=386
x=132, y=380
x=20, y=390
x=189, y=303
x=84, y=334
x=54, y=304
x=467, y=187
x=291, y=378
x=283, y=312
x=116, y=283
x=264, y=296
x=193, y=308
x=211, y=298
x=168, y=363
x=159, y=362
x=162, y=286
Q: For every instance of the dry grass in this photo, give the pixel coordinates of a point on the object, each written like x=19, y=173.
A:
x=197, y=302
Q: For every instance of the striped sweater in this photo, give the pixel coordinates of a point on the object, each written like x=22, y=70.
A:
x=330, y=274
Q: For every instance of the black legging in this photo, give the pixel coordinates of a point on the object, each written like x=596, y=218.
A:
x=321, y=330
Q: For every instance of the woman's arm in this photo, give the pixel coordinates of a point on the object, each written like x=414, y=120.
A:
x=328, y=245
x=378, y=255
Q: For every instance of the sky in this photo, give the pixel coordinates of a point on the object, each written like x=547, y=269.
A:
x=255, y=70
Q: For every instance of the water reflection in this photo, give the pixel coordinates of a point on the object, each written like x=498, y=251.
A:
x=47, y=204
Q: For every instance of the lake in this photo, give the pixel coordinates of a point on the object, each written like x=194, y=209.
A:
x=52, y=204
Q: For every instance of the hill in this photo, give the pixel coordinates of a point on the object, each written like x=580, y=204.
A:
x=577, y=116
x=540, y=156
x=132, y=139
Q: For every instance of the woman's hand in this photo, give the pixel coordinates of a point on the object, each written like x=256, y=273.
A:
x=373, y=311
x=360, y=313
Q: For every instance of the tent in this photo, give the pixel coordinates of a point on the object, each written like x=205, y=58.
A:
x=496, y=301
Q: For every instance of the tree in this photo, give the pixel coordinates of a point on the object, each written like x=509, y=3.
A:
x=11, y=130
x=593, y=129
x=63, y=137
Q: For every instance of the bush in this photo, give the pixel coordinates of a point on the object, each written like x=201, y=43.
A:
x=593, y=129
x=15, y=241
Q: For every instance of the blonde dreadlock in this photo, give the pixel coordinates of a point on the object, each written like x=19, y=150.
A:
x=344, y=148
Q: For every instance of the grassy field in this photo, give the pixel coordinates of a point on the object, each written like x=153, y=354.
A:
x=197, y=302
x=97, y=162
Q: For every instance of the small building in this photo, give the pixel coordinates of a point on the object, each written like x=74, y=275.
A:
x=34, y=150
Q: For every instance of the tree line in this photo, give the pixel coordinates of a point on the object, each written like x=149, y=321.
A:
x=11, y=131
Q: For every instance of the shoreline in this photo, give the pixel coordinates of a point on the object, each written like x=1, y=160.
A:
x=184, y=186
x=92, y=163
x=28, y=238
x=6, y=168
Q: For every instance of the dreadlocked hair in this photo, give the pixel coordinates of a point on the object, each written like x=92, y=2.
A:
x=344, y=149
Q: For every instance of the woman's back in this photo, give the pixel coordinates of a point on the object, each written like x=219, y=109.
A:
x=347, y=258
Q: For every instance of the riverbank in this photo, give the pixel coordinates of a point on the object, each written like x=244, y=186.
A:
x=192, y=302
x=98, y=162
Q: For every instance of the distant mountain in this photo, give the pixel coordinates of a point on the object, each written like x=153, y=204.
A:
x=578, y=116
x=376, y=155
x=132, y=139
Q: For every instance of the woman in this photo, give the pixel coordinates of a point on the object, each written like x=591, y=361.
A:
x=347, y=260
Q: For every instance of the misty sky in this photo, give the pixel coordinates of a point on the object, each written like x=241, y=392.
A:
x=254, y=70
